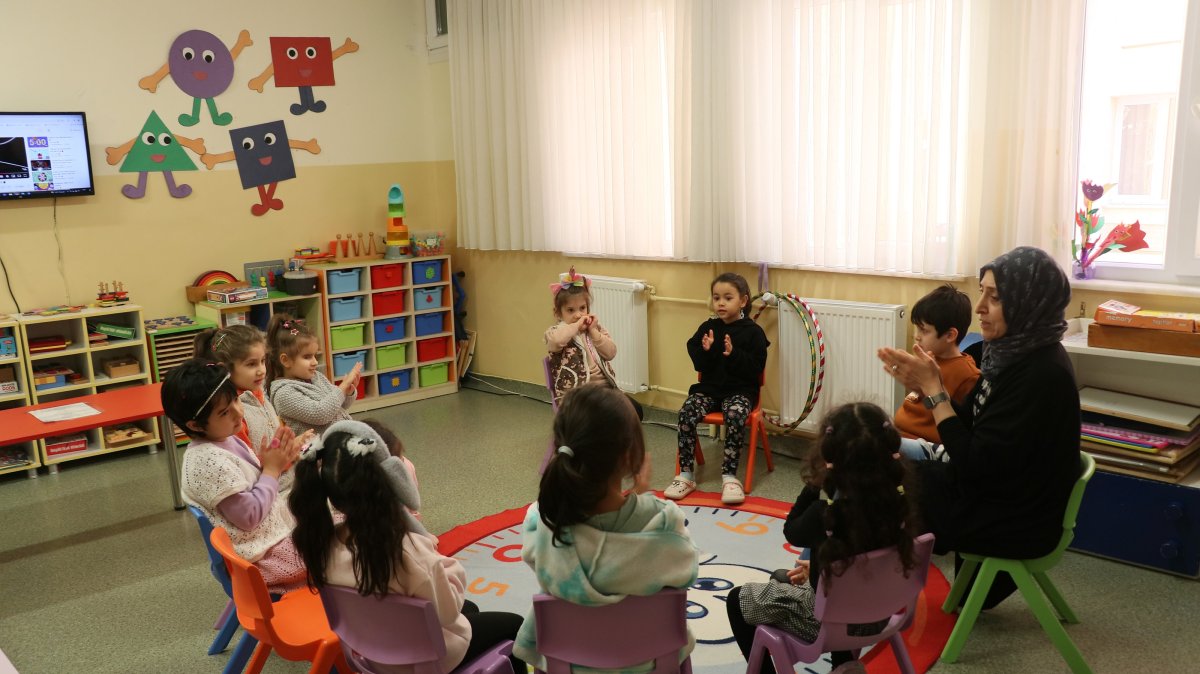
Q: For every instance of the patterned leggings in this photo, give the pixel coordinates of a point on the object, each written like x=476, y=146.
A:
x=736, y=409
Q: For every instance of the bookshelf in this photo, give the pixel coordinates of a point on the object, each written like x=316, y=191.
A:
x=14, y=393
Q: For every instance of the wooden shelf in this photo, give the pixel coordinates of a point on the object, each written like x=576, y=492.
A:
x=1075, y=341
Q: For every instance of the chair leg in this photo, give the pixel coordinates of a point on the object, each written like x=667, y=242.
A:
x=750, y=456
x=962, y=580
x=550, y=449
x=901, y=652
x=261, y=653
x=326, y=660
x=229, y=609
x=966, y=619
x=1056, y=599
x=241, y=654
x=762, y=431
x=1050, y=624
x=221, y=641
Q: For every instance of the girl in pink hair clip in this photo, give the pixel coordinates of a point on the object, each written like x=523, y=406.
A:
x=580, y=350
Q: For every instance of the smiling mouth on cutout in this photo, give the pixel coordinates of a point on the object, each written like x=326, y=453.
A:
x=265, y=161
x=200, y=75
x=157, y=158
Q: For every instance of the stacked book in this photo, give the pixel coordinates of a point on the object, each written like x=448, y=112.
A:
x=1130, y=434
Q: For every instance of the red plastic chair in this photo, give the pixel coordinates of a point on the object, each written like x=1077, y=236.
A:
x=379, y=634
x=295, y=626
x=871, y=589
x=758, y=429
x=638, y=629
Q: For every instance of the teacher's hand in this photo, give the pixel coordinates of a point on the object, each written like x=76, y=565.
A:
x=916, y=371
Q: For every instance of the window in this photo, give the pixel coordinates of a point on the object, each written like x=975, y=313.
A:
x=436, y=25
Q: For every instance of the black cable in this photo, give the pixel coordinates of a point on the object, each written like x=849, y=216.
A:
x=8, y=282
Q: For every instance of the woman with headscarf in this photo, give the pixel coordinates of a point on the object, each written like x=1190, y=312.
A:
x=1013, y=446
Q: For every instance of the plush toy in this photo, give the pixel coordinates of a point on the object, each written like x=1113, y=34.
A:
x=365, y=441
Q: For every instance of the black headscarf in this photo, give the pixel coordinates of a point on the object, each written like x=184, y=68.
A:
x=1034, y=293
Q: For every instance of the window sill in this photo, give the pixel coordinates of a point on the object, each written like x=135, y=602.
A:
x=1136, y=288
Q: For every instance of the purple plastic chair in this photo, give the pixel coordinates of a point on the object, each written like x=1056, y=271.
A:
x=872, y=589
x=550, y=448
x=636, y=630
x=380, y=634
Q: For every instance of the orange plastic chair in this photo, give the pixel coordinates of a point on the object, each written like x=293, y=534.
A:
x=758, y=429
x=295, y=626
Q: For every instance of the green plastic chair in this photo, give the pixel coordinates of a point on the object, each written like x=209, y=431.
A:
x=1029, y=574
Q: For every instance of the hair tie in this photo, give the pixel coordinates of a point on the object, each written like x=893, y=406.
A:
x=310, y=451
x=900, y=489
x=829, y=430
x=896, y=455
x=563, y=449
x=569, y=279
x=887, y=424
x=826, y=498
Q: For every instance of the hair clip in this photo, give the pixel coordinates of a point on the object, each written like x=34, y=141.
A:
x=887, y=424
x=900, y=489
x=829, y=430
x=210, y=395
x=896, y=455
x=569, y=279
x=360, y=446
x=563, y=449
x=310, y=451
x=287, y=323
x=294, y=332
x=220, y=339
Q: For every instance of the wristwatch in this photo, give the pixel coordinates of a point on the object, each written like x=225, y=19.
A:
x=934, y=400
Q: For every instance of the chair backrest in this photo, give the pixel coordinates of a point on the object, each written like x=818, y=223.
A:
x=972, y=345
x=1087, y=468
x=215, y=564
x=250, y=594
x=550, y=382
x=392, y=630
x=651, y=628
x=873, y=588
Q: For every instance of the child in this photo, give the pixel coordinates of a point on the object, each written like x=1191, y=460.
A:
x=580, y=350
x=376, y=549
x=301, y=394
x=730, y=352
x=396, y=448
x=859, y=464
x=222, y=476
x=586, y=540
x=942, y=319
x=242, y=349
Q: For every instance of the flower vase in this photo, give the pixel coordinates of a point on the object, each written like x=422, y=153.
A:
x=1083, y=273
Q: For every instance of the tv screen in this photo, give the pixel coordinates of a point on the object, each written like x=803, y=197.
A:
x=44, y=154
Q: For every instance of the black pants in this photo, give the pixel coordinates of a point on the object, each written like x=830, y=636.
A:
x=489, y=628
x=743, y=632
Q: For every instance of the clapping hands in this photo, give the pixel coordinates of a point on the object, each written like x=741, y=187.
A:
x=707, y=339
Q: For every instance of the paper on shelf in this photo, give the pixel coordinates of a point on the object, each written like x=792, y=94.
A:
x=64, y=412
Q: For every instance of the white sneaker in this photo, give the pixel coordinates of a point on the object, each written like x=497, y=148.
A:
x=732, y=493
x=679, y=488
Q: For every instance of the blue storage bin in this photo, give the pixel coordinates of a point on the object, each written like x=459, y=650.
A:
x=429, y=271
x=343, y=281
x=389, y=329
x=429, y=324
x=345, y=308
x=427, y=298
x=395, y=382
x=344, y=362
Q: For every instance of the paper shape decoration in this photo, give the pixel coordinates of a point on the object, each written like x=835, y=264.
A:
x=303, y=62
x=264, y=159
x=155, y=149
x=202, y=68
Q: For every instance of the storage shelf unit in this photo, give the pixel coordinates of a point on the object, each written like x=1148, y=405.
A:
x=396, y=316
x=171, y=345
x=25, y=455
x=258, y=312
x=87, y=361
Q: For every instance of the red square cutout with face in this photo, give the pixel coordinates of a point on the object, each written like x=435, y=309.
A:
x=302, y=61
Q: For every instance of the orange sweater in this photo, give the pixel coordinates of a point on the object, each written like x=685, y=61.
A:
x=959, y=375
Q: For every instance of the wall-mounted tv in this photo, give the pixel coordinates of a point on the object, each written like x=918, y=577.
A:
x=44, y=154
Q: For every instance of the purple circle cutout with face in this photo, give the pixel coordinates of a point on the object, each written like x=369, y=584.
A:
x=200, y=64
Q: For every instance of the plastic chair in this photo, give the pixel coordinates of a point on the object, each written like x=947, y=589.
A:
x=652, y=628
x=871, y=589
x=972, y=345
x=757, y=429
x=1029, y=575
x=379, y=633
x=550, y=448
x=295, y=626
x=227, y=623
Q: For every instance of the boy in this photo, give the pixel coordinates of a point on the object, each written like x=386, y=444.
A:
x=941, y=319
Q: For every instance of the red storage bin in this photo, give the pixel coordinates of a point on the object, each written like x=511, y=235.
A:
x=362, y=388
x=391, y=302
x=432, y=349
x=387, y=275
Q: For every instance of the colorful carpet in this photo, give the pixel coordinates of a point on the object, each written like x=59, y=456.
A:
x=737, y=545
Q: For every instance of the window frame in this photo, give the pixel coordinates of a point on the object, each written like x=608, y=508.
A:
x=436, y=41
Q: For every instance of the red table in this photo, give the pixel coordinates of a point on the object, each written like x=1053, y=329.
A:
x=131, y=403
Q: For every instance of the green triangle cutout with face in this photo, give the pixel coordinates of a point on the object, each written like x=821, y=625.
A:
x=156, y=150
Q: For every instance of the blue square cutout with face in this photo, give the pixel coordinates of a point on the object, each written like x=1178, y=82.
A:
x=262, y=153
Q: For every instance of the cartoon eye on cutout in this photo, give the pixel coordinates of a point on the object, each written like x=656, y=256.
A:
x=149, y=138
x=292, y=53
x=268, y=138
x=712, y=584
x=208, y=56
x=188, y=53
x=247, y=143
x=164, y=138
x=311, y=52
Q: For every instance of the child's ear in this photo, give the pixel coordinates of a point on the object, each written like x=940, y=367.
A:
x=951, y=335
x=192, y=425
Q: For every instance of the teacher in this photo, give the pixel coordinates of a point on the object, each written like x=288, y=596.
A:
x=1013, y=446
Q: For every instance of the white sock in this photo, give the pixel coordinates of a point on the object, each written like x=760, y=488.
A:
x=726, y=479
x=686, y=475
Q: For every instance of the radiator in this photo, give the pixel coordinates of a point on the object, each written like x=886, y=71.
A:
x=620, y=304
x=853, y=332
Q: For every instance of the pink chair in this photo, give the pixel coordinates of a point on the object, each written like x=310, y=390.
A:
x=871, y=589
x=380, y=634
x=550, y=448
x=569, y=634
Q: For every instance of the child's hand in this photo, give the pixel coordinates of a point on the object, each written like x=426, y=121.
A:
x=350, y=382
x=276, y=457
x=728, y=345
x=707, y=340
x=581, y=325
x=300, y=441
x=799, y=575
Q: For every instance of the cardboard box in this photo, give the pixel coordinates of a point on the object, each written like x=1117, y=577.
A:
x=200, y=293
x=66, y=444
x=1152, y=320
x=232, y=296
x=122, y=367
x=9, y=387
x=1144, y=340
x=8, y=373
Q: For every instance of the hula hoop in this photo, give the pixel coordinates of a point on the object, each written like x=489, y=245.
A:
x=816, y=352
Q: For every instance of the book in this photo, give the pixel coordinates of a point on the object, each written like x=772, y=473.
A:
x=1166, y=456
x=1135, y=430
x=1124, y=444
x=1143, y=318
x=1147, y=410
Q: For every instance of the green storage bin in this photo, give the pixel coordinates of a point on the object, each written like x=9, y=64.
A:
x=347, y=336
x=432, y=375
x=390, y=356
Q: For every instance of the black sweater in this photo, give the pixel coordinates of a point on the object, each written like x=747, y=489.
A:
x=722, y=376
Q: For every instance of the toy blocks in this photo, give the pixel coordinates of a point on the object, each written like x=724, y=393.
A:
x=397, y=231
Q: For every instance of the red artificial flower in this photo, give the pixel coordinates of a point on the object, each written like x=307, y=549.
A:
x=1125, y=238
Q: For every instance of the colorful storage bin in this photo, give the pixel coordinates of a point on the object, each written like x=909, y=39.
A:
x=395, y=382
x=429, y=324
x=432, y=349
x=432, y=375
x=392, y=355
x=345, y=308
x=344, y=362
x=427, y=298
x=429, y=271
x=391, y=302
x=389, y=329
x=347, y=336
x=387, y=276
x=343, y=281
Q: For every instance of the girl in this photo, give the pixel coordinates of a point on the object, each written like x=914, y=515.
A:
x=859, y=463
x=580, y=350
x=396, y=448
x=373, y=549
x=242, y=349
x=586, y=540
x=730, y=352
x=222, y=476
x=301, y=394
